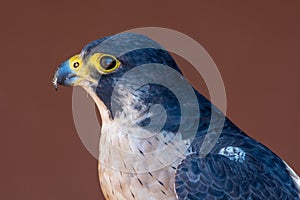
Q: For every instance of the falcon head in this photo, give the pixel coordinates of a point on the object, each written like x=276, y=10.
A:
x=113, y=61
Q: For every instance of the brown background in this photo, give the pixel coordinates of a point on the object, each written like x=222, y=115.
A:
x=255, y=45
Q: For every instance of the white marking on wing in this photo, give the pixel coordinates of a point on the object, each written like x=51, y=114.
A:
x=233, y=153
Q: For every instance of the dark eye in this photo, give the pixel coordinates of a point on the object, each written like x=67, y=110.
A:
x=108, y=62
x=76, y=64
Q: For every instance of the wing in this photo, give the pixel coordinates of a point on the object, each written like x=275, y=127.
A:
x=234, y=174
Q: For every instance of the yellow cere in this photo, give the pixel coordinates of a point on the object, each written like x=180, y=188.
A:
x=75, y=62
x=104, y=63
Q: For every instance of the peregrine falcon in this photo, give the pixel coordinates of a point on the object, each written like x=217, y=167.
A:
x=150, y=147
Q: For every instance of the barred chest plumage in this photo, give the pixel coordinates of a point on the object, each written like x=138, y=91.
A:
x=130, y=168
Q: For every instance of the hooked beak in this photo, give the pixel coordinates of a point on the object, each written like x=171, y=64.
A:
x=64, y=76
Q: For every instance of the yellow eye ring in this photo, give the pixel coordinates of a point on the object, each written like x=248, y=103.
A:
x=105, y=63
x=75, y=62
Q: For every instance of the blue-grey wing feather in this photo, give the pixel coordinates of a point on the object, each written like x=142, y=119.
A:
x=256, y=174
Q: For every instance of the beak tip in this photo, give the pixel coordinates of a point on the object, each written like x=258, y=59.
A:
x=54, y=82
